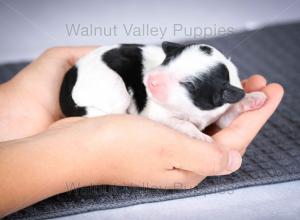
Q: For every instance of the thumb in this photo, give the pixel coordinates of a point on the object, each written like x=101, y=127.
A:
x=206, y=159
x=62, y=122
x=245, y=127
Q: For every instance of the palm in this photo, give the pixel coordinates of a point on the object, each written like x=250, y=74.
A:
x=34, y=106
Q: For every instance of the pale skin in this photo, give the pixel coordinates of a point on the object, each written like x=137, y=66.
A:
x=41, y=153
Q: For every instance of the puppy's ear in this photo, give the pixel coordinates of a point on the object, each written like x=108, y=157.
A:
x=168, y=47
x=232, y=94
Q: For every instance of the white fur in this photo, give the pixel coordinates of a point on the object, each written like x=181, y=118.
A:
x=179, y=105
x=98, y=87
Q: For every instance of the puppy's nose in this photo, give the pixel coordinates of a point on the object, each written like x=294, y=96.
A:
x=157, y=80
x=158, y=84
x=154, y=82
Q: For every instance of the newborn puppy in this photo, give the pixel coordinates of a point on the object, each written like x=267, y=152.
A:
x=186, y=87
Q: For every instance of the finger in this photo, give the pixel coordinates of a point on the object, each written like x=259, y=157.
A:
x=245, y=127
x=182, y=179
x=254, y=75
x=254, y=83
x=65, y=121
x=205, y=159
x=74, y=53
x=66, y=57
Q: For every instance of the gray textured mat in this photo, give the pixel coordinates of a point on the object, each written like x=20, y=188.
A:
x=273, y=157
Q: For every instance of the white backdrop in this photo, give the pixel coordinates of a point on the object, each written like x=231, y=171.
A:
x=30, y=26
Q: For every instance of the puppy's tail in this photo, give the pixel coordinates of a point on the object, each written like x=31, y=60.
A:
x=67, y=104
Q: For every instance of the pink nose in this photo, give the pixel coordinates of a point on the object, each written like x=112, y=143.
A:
x=156, y=80
x=158, y=84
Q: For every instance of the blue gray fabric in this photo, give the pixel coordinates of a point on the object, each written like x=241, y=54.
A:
x=7, y=71
x=273, y=157
x=279, y=201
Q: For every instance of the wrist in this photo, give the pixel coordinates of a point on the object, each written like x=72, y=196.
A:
x=79, y=157
x=68, y=160
x=34, y=169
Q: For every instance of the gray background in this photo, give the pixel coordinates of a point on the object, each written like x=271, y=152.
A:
x=30, y=26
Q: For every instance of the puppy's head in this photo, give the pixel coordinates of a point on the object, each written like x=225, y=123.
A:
x=197, y=75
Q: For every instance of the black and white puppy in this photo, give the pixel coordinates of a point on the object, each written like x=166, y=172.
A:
x=186, y=87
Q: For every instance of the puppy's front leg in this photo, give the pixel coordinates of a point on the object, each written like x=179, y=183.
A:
x=251, y=101
x=187, y=128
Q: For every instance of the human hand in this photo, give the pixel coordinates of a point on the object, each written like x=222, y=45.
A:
x=113, y=149
x=138, y=138
x=127, y=150
x=38, y=92
x=123, y=150
x=244, y=128
x=33, y=106
x=29, y=102
x=132, y=150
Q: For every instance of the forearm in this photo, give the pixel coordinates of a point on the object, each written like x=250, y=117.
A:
x=35, y=168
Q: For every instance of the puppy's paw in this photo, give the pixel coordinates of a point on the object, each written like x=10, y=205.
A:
x=252, y=101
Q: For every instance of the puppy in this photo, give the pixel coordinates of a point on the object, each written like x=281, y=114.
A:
x=186, y=87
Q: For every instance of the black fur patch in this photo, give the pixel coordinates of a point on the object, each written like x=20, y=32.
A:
x=206, y=49
x=172, y=50
x=127, y=61
x=67, y=104
x=211, y=90
x=219, y=71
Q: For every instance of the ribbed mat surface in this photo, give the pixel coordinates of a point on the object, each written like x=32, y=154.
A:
x=273, y=157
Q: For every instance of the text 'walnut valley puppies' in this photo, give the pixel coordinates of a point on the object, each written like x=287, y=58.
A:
x=186, y=87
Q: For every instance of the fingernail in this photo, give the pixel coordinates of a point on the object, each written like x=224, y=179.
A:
x=234, y=161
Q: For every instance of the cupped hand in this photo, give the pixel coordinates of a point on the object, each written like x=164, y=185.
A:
x=137, y=151
x=32, y=107
x=114, y=149
x=29, y=101
x=245, y=127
